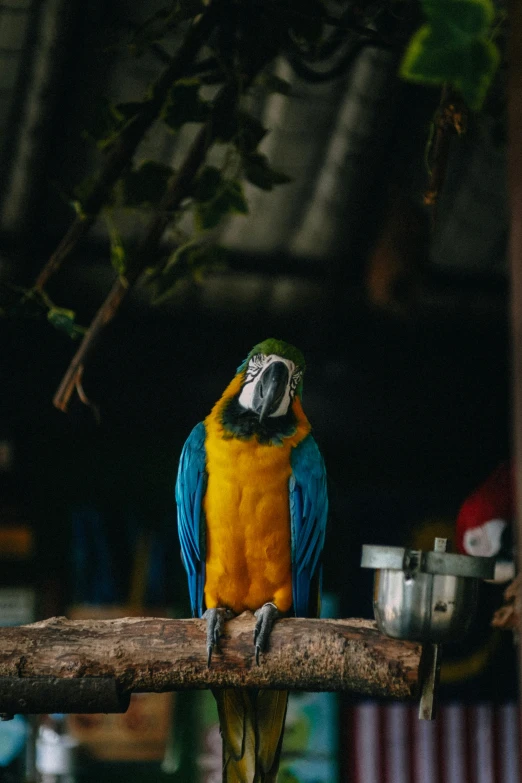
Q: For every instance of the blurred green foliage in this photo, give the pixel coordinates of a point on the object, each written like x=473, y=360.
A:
x=454, y=46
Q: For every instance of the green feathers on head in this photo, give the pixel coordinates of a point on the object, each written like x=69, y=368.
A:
x=280, y=348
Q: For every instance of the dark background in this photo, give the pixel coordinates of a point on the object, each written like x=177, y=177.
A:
x=409, y=397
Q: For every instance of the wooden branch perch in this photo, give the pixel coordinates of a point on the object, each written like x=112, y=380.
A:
x=153, y=654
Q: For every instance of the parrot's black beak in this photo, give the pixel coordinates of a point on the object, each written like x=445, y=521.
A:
x=270, y=389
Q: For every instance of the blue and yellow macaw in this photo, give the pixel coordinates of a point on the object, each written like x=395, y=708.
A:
x=252, y=508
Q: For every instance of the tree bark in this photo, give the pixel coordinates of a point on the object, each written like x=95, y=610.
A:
x=157, y=654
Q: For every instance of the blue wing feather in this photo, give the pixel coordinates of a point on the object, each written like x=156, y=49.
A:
x=191, y=485
x=308, y=514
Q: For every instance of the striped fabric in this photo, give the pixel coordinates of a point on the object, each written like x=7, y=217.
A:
x=466, y=744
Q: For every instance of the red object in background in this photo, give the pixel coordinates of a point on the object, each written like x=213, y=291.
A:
x=486, y=513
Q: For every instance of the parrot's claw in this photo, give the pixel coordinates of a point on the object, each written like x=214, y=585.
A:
x=266, y=616
x=215, y=628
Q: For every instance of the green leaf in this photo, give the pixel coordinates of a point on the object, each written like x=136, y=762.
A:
x=184, y=104
x=471, y=18
x=63, y=320
x=107, y=121
x=429, y=61
x=228, y=198
x=192, y=259
x=240, y=128
x=258, y=172
x=212, y=258
x=209, y=213
x=118, y=251
x=250, y=132
x=152, y=29
x=236, y=197
x=162, y=22
x=208, y=184
x=469, y=65
x=145, y=185
x=454, y=47
x=215, y=197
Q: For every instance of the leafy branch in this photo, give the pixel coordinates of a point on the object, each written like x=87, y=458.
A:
x=227, y=49
x=179, y=187
x=455, y=48
x=125, y=142
x=32, y=303
x=227, y=44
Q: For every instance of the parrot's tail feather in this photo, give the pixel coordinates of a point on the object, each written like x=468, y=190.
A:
x=271, y=713
x=252, y=724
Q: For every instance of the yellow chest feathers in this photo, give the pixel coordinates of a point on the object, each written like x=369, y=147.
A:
x=248, y=547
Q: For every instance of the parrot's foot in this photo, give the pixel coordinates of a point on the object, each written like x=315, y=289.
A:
x=215, y=627
x=266, y=616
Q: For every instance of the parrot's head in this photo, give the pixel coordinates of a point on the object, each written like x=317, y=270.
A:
x=273, y=376
x=263, y=398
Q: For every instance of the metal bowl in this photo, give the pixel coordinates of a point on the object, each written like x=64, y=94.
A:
x=424, y=596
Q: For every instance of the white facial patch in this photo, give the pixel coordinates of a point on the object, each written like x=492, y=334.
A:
x=255, y=367
x=484, y=541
